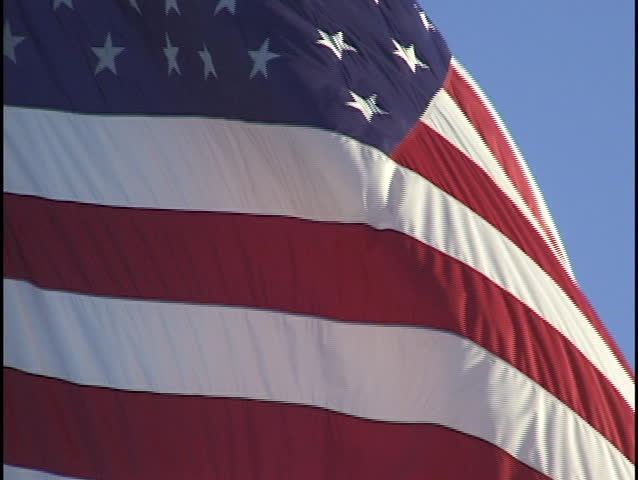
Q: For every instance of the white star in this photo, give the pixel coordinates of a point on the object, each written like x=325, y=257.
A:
x=261, y=58
x=10, y=42
x=408, y=54
x=208, y=62
x=426, y=22
x=227, y=4
x=107, y=55
x=335, y=43
x=135, y=6
x=367, y=106
x=171, y=55
x=171, y=4
x=57, y=3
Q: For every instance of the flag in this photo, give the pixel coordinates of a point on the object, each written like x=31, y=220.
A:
x=282, y=240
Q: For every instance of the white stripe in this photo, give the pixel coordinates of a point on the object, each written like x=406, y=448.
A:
x=221, y=165
x=529, y=178
x=445, y=117
x=383, y=373
x=11, y=472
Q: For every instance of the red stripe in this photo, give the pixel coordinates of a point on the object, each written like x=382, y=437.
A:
x=341, y=271
x=109, y=434
x=429, y=154
x=473, y=107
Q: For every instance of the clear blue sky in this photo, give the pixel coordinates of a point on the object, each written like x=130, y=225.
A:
x=561, y=74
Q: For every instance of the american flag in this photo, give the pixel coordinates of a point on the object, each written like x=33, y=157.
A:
x=285, y=239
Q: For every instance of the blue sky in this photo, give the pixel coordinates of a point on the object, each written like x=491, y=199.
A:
x=561, y=74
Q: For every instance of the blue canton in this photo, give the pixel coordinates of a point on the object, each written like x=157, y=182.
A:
x=362, y=68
